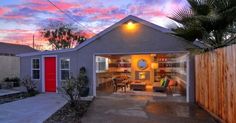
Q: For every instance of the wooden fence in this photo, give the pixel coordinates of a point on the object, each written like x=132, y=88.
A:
x=216, y=82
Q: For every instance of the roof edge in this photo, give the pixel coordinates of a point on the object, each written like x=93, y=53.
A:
x=130, y=17
x=102, y=33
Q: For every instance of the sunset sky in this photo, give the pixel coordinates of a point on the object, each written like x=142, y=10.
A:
x=20, y=19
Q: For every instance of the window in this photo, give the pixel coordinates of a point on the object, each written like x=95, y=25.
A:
x=65, y=69
x=101, y=64
x=35, y=69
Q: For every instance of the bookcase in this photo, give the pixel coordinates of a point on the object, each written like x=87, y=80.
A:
x=170, y=67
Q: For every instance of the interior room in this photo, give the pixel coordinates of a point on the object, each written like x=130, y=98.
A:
x=164, y=73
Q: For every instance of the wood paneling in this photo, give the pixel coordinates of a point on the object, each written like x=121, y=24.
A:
x=216, y=82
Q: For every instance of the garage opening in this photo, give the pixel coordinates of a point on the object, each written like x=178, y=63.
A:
x=142, y=74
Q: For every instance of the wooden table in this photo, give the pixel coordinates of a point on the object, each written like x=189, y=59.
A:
x=138, y=86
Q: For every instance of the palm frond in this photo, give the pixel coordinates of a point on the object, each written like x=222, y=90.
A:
x=211, y=21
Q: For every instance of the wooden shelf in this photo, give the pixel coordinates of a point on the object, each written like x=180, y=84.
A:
x=124, y=65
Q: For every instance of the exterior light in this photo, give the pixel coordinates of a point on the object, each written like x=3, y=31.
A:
x=154, y=65
x=130, y=25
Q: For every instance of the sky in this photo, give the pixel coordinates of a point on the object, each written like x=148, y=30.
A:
x=21, y=19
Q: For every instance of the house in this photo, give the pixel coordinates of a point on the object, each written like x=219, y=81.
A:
x=9, y=62
x=131, y=46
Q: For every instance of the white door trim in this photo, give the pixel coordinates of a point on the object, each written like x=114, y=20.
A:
x=94, y=76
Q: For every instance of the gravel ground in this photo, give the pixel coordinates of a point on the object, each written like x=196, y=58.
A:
x=68, y=114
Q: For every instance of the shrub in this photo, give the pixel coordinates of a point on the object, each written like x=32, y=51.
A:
x=7, y=84
x=15, y=81
x=7, y=79
x=74, y=88
x=30, y=86
x=70, y=89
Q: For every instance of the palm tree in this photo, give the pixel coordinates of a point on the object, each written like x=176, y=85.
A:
x=212, y=22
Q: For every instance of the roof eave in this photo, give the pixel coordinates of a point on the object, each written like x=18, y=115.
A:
x=130, y=17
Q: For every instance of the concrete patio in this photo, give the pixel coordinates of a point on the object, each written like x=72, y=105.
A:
x=31, y=110
x=144, y=109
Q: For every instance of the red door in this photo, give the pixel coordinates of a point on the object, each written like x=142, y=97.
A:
x=50, y=74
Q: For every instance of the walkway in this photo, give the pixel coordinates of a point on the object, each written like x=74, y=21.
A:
x=144, y=109
x=31, y=110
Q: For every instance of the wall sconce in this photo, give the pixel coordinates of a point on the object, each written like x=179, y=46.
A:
x=154, y=65
x=130, y=25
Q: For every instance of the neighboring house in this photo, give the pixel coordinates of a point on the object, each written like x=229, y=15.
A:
x=9, y=62
x=132, y=36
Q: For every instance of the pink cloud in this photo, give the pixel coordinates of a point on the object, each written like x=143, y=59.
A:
x=20, y=36
x=96, y=10
x=146, y=10
x=3, y=10
x=25, y=37
x=86, y=34
x=107, y=17
x=14, y=17
x=90, y=10
x=46, y=6
x=153, y=12
x=56, y=19
x=15, y=31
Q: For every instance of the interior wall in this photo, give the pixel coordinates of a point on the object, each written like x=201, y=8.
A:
x=134, y=66
x=116, y=60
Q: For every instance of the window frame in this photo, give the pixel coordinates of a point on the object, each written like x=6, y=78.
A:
x=106, y=61
x=32, y=68
x=64, y=68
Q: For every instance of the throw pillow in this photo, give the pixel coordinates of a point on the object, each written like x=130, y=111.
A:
x=171, y=82
x=162, y=82
x=166, y=83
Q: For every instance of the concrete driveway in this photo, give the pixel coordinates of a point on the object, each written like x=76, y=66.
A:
x=144, y=109
x=31, y=110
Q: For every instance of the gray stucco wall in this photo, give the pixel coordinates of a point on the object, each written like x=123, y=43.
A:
x=118, y=41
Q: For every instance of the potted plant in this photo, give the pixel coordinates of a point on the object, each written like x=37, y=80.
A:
x=83, y=80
